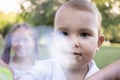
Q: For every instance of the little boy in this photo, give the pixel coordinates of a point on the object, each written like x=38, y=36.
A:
x=79, y=22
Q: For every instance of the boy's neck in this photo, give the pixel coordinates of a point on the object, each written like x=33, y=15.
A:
x=76, y=73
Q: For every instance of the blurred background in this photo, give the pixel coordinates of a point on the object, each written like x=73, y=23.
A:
x=40, y=14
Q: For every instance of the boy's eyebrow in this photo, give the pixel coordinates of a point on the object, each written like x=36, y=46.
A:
x=62, y=28
x=91, y=31
x=81, y=29
x=86, y=30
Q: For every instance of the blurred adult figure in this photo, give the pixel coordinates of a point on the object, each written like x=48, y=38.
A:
x=22, y=40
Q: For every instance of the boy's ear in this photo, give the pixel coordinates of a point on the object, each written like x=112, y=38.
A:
x=100, y=41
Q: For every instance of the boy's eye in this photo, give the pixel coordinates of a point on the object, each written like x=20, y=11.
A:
x=64, y=33
x=84, y=34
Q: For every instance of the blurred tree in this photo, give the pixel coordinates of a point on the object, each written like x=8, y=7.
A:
x=110, y=10
x=41, y=12
x=8, y=20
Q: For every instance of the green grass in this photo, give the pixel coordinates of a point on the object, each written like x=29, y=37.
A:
x=106, y=55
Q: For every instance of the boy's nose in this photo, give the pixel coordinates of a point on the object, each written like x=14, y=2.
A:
x=75, y=42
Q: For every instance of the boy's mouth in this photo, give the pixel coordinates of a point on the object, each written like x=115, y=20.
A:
x=77, y=54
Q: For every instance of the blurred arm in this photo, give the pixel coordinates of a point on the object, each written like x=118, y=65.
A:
x=110, y=72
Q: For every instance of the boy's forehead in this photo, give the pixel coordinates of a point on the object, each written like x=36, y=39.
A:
x=64, y=11
x=73, y=15
x=68, y=10
x=82, y=5
x=71, y=18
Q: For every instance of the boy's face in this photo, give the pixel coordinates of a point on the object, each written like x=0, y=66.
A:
x=81, y=29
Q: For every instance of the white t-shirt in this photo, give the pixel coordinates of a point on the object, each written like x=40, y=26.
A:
x=50, y=70
x=20, y=70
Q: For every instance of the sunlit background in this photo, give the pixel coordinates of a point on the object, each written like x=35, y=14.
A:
x=9, y=6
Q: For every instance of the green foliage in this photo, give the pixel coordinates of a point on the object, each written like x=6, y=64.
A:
x=42, y=12
x=7, y=21
x=111, y=18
